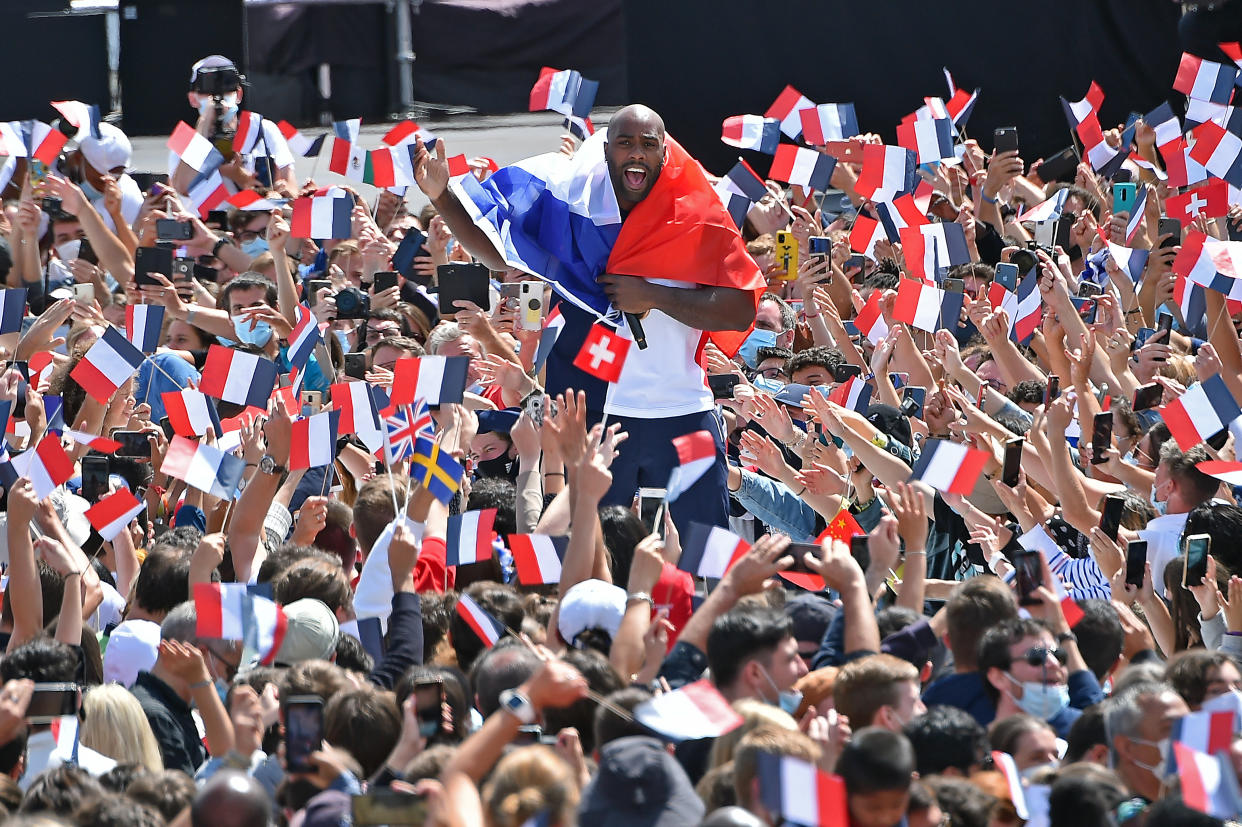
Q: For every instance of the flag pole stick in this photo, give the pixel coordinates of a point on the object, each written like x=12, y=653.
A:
x=392, y=485
x=150, y=358
x=591, y=693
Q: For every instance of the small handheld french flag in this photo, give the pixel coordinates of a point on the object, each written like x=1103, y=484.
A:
x=193, y=149
x=110, y=515
x=1209, y=783
x=142, y=326
x=1205, y=80
x=565, y=91
x=931, y=140
x=787, y=109
x=1202, y=411
x=828, y=122
x=437, y=380
x=304, y=337
x=299, y=143
x=950, y=467
x=709, y=551
x=488, y=628
x=696, y=710
x=800, y=792
x=323, y=216
x=240, y=378
x=469, y=537
x=696, y=454
x=191, y=413
x=1206, y=732
x=209, y=470
x=752, y=132
x=47, y=466
x=802, y=167
x=96, y=443
x=538, y=557
x=110, y=363
x=313, y=441
x=854, y=394
x=887, y=172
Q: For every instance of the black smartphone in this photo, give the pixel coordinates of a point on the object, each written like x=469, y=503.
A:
x=722, y=385
x=218, y=219
x=1061, y=232
x=204, y=273
x=1171, y=227
x=87, y=253
x=356, y=365
x=1052, y=390
x=1061, y=166
x=1147, y=397
x=1028, y=577
x=133, y=444
x=1110, y=518
x=1194, y=567
x=860, y=550
x=313, y=287
x=53, y=700
x=384, y=280
x=149, y=260
x=845, y=372
x=1089, y=289
x=1101, y=437
x=953, y=286
x=429, y=706
x=1005, y=139
x=167, y=428
x=1007, y=276
x=913, y=399
x=95, y=478
x=468, y=282
x=170, y=229
x=798, y=552
x=303, y=731
x=1164, y=324
x=383, y=805
x=1136, y=563
x=1013, y=461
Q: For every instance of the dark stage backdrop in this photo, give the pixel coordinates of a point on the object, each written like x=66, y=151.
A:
x=698, y=61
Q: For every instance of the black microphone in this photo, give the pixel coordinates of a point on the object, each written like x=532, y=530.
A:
x=636, y=330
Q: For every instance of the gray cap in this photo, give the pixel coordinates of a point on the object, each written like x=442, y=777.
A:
x=311, y=632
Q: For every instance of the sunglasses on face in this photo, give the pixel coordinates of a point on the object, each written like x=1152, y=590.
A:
x=1038, y=655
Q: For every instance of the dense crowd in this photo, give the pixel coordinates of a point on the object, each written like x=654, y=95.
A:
x=901, y=504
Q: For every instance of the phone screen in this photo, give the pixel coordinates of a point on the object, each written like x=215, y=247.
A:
x=94, y=478
x=384, y=280
x=1013, y=461
x=722, y=385
x=843, y=373
x=1028, y=577
x=649, y=500
x=303, y=731
x=1101, y=437
x=53, y=700
x=1136, y=563
x=1110, y=519
x=1197, y=546
x=133, y=444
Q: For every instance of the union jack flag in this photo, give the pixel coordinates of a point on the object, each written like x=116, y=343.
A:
x=404, y=427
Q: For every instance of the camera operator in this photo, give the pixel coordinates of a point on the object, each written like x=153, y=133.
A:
x=216, y=91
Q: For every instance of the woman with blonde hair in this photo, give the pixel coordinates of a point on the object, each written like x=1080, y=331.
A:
x=754, y=714
x=529, y=781
x=114, y=725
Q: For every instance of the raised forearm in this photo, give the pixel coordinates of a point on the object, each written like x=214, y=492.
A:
x=707, y=308
x=113, y=255
x=467, y=233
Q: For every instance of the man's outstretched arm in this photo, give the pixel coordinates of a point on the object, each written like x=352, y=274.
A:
x=705, y=308
x=432, y=176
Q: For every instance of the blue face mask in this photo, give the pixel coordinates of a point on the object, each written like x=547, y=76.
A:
x=1161, y=506
x=255, y=247
x=342, y=336
x=1040, y=700
x=206, y=105
x=260, y=336
x=90, y=192
x=749, y=350
x=428, y=728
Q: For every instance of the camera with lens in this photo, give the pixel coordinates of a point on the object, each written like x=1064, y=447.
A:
x=217, y=82
x=1025, y=260
x=352, y=303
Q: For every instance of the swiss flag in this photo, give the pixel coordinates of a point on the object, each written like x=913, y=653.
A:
x=602, y=353
x=1210, y=200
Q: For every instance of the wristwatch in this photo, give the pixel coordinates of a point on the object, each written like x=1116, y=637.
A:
x=267, y=465
x=518, y=705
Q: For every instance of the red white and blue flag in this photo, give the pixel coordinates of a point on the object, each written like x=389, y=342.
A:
x=206, y=468
x=1183, y=170
x=312, y=443
x=1137, y=210
x=696, y=454
x=787, y=109
x=563, y=90
x=113, y=513
x=240, y=611
x=800, y=792
x=82, y=115
x=1205, y=409
x=887, y=172
x=1219, y=151
x=469, y=537
x=929, y=248
x=709, y=551
x=1078, y=111
x=299, y=143
x=251, y=201
x=347, y=130
x=1229, y=473
x=110, y=363
x=1206, y=732
x=359, y=413
x=1216, y=265
x=752, y=132
x=870, y=320
x=207, y=193
x=303, y=338
x=407, y=132
x=191, y=412
x=437, y=380
x=1103, y=158
x=900, y=214
x=404, y=426
x=47, y=466
x=931, y=140
x=738, y=189
x=1165, y=122
x=950, y=467
x=1205, y=80
x=828, y=122
x=926, y=307
x=143, y=323
x=537, y=557
x=854, y=394
x=802, y=167
x=480, y=621
x=1209, y=783
x=249, y=131
x=241, y=378
x=93, y=441
x=194, y=150
x=1047, y=210
x=42, y=142
x=1004, y=762
x=696, y=710
x=322, y=216
x=553, y=324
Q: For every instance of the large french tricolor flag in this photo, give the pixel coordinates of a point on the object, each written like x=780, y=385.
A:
x=950, y=467
x=696, y=710
x=709, y=551
x=787, y=109
x=538, y=557
x=887, y=172
x=469, y=537
x=321, y=216
x=191, y=413
x=800, y=792
x=1209, y=783
x=206, y=468
x=931, y=140
x=480, y=621
x=696, y=454
x=47, y=466
x=558, y=218
x=1205, y=79
x=926, y=307
x=752, y=132
x=110, y=515
x=142, y=326
x=828, y=122
x=437, y=380
x=1202, y=411
x=241, y=378
x=313, y=441
x=110, y=363
x=802, y=167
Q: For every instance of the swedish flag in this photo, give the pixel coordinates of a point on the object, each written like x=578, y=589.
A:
x=435, y=470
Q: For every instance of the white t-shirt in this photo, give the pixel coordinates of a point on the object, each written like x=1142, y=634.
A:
x=664, y=379
x=42, y=752
x=1163, y=536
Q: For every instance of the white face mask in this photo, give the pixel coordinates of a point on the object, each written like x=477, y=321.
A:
x=1157, y=769
x=69, y=250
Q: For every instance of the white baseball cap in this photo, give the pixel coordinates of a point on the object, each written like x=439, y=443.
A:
x=110, y=151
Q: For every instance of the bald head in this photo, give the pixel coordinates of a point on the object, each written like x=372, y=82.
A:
x=635, y=153
x=231, y=799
